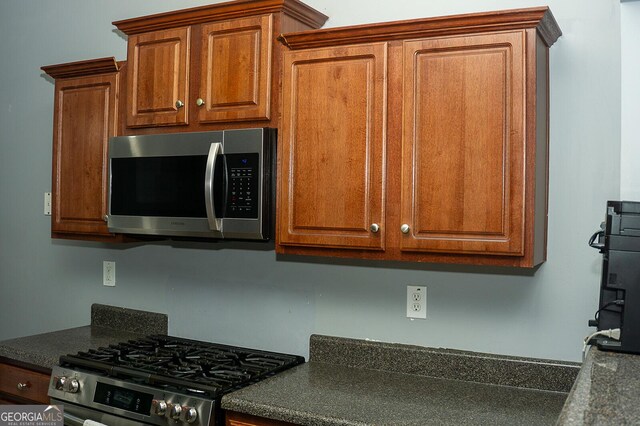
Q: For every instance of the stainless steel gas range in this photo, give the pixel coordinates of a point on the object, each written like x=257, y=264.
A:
x=158, y=380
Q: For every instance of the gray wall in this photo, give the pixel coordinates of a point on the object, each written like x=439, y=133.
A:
x=248, y=297
x=630, y=125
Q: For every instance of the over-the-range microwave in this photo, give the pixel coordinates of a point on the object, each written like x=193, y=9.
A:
x=216, y=184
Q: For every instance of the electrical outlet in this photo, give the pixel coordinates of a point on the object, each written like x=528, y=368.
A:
x=47, y=204
x=416, y=302
x=109, y=273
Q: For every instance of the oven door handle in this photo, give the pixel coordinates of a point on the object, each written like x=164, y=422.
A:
x=215, y=224
x=71, y=420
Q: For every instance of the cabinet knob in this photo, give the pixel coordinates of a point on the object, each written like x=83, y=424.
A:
x=179, y=104
x=24, y=386
x=106, y=218
x=374, y=227
x=199, y=101
x=405, y=228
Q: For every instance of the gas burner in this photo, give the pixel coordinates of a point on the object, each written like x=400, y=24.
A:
x=182, y=370
x=182, y=364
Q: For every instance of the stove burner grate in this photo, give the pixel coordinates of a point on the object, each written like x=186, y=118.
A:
x=186, y=365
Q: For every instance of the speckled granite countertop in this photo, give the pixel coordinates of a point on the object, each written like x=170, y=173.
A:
x=356, y=382
x=109, y=324
x=606, y=392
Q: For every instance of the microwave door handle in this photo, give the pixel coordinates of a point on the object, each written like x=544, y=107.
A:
x=215, y=223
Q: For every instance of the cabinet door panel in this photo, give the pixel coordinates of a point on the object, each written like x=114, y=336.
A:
x=85, y=119
x=158, y=78
x=235, y=80
x=463, y=144
x=37, y=384
x=332, y=147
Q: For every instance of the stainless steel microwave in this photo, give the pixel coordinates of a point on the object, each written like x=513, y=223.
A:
x=217, y=184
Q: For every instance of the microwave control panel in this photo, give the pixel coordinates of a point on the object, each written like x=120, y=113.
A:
x=243, y=192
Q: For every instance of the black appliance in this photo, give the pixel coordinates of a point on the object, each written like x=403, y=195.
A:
x=619, y=243
x=158, y=380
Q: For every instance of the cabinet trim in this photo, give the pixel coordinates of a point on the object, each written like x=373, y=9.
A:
x=540, y=18
x=82, y=68
x=220, y=11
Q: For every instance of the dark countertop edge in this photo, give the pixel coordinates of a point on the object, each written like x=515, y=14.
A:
x=283, y=414
x=606, y=388
x=25, y=365
x=575, y=406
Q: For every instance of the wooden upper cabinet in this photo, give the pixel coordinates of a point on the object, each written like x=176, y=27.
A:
x=85, y=110
x=209, y=66
x=332, y=148
x=442, y=141
x=158, y=78
x=463, y=151
x=236, y=70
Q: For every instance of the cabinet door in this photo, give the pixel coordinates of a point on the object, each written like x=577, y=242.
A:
x=332, y=147
x=85, y=113
x=463, y=154
x=235, y=78
x=23, y=385
x=157, y=83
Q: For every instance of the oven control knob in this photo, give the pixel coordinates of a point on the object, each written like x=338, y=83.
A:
x=160, y=407
x=60, y=381
x=190, y=414
x=175, y=411
x=72, y=386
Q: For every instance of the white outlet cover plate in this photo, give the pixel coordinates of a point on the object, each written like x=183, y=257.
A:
x=47, y=204
x=109, y=273
x=416, y=302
